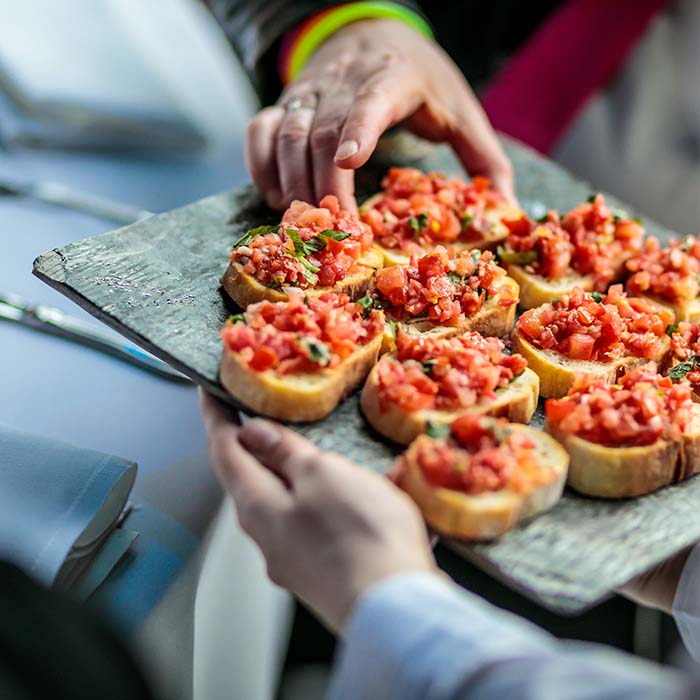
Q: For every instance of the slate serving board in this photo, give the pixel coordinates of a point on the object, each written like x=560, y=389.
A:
x=157, y=282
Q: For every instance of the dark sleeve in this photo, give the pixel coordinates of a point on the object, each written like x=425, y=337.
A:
x=52, y=648
x=255, y=29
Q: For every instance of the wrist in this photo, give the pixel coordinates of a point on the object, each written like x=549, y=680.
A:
x=300, y=44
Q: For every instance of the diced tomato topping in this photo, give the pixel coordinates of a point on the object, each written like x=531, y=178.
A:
x=445, y=374
x=481, y=455
x=274, y=261
x=581, y=328
x=640, y=409
x=670, y=273
x=418, y=210
x=590, y=239
x=444, y=286
x=299, y=335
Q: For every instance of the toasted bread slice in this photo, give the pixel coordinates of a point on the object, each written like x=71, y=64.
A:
x=244, y=289
x=557, y=372
x=497, y=233
x=536, y=290
x=490, y=514
x=626, y=472
x=494, y=319
x=683, y=309
x=296, y=398
x=517, y=402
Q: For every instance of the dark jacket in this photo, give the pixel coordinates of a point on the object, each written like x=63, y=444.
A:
x=478, y=35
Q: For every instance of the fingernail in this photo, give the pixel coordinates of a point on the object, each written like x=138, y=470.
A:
x=346, y=149
x=259, y=435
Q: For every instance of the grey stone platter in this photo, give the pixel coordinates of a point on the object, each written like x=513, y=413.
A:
x=157, y=283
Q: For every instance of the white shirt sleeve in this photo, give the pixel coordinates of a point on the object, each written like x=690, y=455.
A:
x=419, y=636
x=686, y=603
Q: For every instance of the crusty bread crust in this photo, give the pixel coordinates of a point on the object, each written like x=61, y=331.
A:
x=626, y=472
x=557, y=372
x=517, y=402
x=536, y=290
x=494, y=319
x=487, y=515
x=496, y=234
x=683, y=309
x=296, y=398
x=244, y=289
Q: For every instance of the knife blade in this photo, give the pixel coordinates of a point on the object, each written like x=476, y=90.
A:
x=55, y=322
x=61, y=195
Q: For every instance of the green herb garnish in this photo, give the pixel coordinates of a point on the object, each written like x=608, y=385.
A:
x=543, y=219
x=466, y=221
x=428, y=365
x=521, y=258
x=671, y=329
x=254, y=233
x=320, y=240
x=597, y=297
x=591, y=198
x=455, y=278
x=418, y=223
x=368, y=303
x=435, y=430
x=476, y=257
x=682, y=368
x=319, y=352
x=236, y=318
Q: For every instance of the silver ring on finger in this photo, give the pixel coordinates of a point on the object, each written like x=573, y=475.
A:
x=298, y=103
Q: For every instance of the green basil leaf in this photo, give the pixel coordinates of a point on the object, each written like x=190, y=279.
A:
x=236, y=318
x=543, y=219
x=455, y=278
x=319, y=352
x=466, y=221
x=435, y=430
x=418, y=223
x=296, y=239
x=521, y=258
x=428, y=366
x=247, y=237
x=682, y=368
x=597, y=297
x=476, y=257
x=591, y=198
x=335, y=235
x=671, y=329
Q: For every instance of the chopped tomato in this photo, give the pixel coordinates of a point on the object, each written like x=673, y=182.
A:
x=590, y=239
x=445, y=374
x=642, y=408
x=481, y=455
x=335, y=240
x=418, y=210
x=670, y=273
x=301, y=336
x=444, y=286
x=581, y=328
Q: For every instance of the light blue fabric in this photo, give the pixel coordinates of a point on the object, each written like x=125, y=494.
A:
x=419, y=636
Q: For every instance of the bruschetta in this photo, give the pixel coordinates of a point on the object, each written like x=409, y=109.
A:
x=432, y=381
x=483, y=477
x=295, y=360
x=316, y=249
x=415, y=211
x=684, y=365
x=445, y=293
x=585, y=248
x=599, y=335
x=668, y=277
x=630, y=438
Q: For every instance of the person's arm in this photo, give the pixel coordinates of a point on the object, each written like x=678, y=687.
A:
x=354, y=548
x=255, y=29
x=418, y=636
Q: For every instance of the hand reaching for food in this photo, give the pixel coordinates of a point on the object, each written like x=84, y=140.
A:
x=329, y=529
x=367, y=77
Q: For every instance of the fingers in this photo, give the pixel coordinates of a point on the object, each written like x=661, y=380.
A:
x=477, y=146
x=258, y=493
x=289, y=455
x=327, y=127
x=260, y=154
x=292, y=147
x=378, y=105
